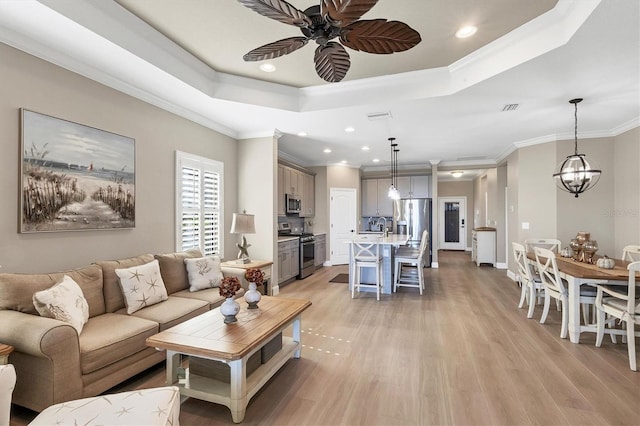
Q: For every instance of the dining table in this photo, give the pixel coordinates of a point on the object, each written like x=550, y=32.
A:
x=576, y=274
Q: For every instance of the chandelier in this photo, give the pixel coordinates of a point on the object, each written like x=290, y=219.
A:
x=576, y=174
x=393, y=188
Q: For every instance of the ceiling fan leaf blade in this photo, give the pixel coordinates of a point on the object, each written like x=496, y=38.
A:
x=341, y=13
x=279, y=10
x=275, y=49
x=332, y=62
x=379, y=36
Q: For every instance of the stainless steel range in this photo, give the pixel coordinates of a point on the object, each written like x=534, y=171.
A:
x=307, y=255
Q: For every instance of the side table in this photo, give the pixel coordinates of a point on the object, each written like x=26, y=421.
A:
x=263, y=265
x=5, y=350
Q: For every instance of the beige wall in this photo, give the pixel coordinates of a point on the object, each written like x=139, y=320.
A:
x=610, y=211
x=626, y=208
x=28, y=82
x=257, y=176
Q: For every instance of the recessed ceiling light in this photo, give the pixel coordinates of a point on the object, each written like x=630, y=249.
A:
x=466, y=31
x=365, y=148
x=268, y=67
x=376, y=160
x=350, y=129
x=326, y=150
x=344, y=162
x=456, y=174
x=302, y=134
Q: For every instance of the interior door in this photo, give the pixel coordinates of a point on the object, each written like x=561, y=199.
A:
x=342, y=214
x=452, y=213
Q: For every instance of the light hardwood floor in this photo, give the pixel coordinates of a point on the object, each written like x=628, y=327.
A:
x=462, y=354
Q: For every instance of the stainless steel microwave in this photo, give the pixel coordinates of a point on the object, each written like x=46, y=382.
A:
x=293, y=204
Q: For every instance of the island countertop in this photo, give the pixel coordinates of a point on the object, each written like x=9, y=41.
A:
x=391, y=239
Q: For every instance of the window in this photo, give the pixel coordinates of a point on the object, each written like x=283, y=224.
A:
x=199, y=215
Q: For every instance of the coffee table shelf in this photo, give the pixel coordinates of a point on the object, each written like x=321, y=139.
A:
x=219, y=392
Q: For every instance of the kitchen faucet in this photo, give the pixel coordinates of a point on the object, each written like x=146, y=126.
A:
x=384, y=220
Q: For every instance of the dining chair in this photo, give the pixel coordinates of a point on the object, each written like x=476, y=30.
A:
x=532, y=288
x=549, y=243
x=631, y=253
x=409, y=266
x=365, y=254
x=555, y=287
x=621, y=303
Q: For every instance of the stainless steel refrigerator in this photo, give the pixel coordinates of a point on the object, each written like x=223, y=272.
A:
x=412, y=216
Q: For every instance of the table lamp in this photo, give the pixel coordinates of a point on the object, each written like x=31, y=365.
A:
x=243, y=223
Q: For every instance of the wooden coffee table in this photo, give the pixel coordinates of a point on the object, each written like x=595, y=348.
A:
x=206, y=336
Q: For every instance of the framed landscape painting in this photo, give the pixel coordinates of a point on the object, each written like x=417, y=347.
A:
x=74, y=177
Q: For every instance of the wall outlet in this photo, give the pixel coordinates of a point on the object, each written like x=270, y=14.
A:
x=525, y=225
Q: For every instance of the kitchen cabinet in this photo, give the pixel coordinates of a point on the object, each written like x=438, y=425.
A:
x=375, y=199
x=483, y=246
x=320, y=255
x=288, y=260
x=308, y=195
x=292, y=182
x=414, y=186
x=299, y=184
x=280, y=191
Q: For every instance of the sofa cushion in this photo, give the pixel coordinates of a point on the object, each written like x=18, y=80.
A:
x=17, y=290
x=210, y=295
x=204, y=272
x=173, y=269
x=64, y=302
x=172, y=311
x=142, y=286
x=113, y=298
x=110, y=337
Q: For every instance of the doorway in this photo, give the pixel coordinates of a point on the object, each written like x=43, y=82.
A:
x=342, y=214
x=452, y=214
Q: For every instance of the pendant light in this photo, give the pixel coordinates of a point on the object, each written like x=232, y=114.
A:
x=393, y=191
x=576, y=174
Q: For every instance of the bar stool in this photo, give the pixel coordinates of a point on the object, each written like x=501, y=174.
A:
x=365, y=254
x=407, y=259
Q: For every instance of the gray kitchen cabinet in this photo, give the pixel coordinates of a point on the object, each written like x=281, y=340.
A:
x=308, y=195
x=288, y=260
x=375, y=199
x=414, y=186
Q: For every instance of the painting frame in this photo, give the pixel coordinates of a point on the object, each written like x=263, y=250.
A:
x=74, y=177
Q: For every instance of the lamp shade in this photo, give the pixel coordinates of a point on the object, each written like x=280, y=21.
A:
x=243, y=223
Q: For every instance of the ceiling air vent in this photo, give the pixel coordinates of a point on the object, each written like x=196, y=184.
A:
x=510, y=107
x=379, y=116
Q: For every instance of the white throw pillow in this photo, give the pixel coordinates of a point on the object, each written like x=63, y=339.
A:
x=142, y=286
x=64, y=301
x=204, y=272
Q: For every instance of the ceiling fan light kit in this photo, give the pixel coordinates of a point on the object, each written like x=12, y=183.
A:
x=576, y=174
x=330, y=20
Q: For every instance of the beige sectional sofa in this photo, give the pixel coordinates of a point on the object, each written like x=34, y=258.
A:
x=55, y=364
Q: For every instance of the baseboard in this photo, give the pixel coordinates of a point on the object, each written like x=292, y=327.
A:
x=500, y=265
x=434, y=265
x=275, y=290
x=513, y=276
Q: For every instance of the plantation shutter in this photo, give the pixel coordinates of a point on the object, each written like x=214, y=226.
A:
x=199, y=204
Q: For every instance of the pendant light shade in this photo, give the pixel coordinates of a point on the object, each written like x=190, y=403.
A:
x=393, y=193
x=576, y=174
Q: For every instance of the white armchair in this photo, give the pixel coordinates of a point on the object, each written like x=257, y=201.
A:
x=7, y=383
x=154, y=406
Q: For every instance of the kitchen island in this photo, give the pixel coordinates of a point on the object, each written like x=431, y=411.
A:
x=388, y=245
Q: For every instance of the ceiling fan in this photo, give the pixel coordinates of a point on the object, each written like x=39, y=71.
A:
x=323, y=23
